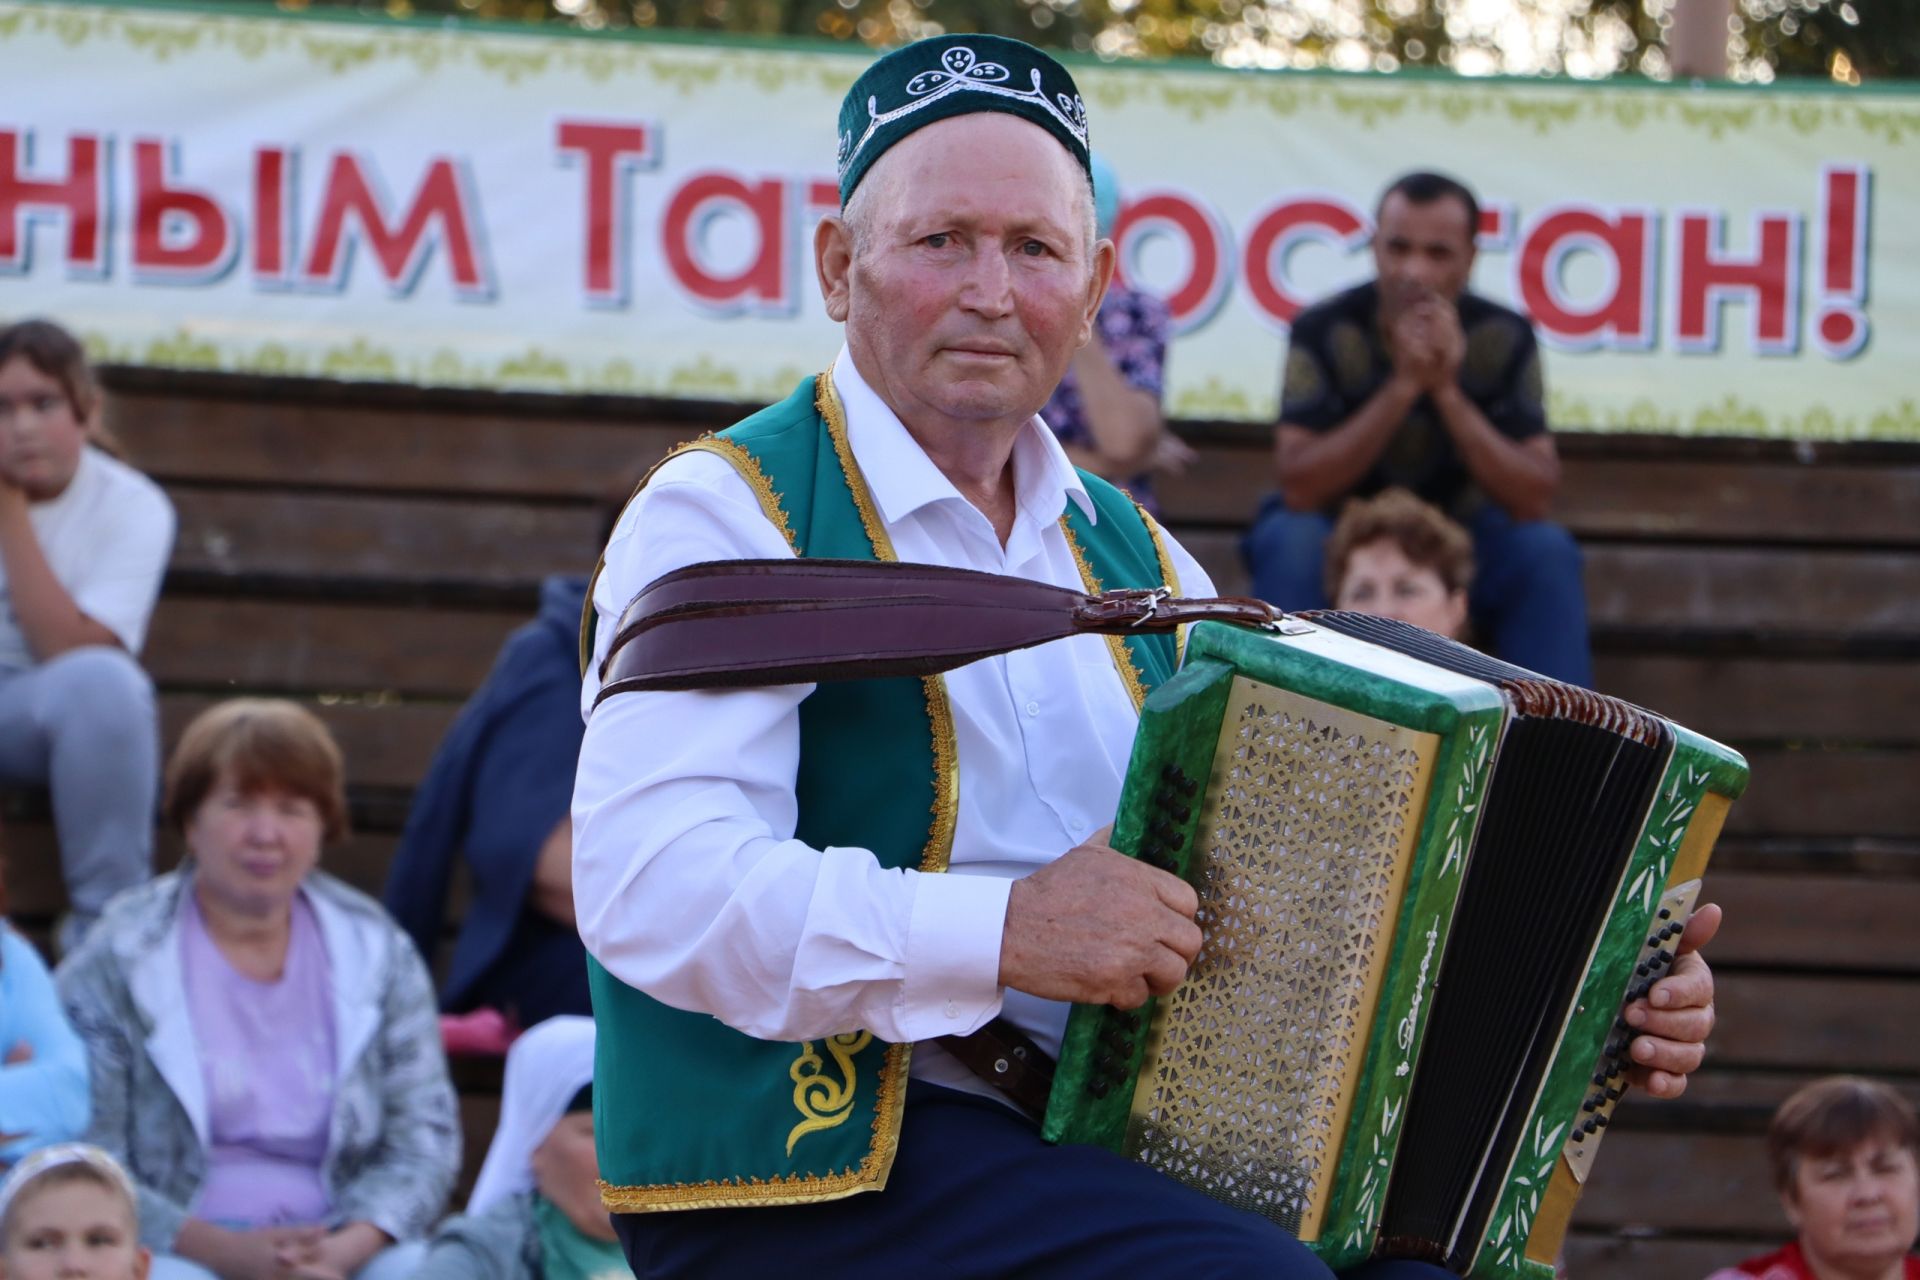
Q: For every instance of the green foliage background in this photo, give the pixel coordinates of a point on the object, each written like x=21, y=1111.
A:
x=1847, y=40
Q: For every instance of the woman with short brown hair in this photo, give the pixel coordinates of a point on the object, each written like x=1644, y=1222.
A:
x=1394, y=556
x=265, y=1046
x=1844, y=1153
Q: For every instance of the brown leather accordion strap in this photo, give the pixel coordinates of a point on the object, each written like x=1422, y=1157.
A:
x=732, y=623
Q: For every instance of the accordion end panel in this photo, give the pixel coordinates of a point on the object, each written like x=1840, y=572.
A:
x=1586, y=1081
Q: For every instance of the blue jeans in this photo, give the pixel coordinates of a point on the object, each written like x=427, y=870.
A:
x=1528, y=598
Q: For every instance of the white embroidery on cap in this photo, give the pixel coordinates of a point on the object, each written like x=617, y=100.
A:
x=961, y=71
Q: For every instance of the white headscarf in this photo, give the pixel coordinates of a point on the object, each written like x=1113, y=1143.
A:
x=546, y=1067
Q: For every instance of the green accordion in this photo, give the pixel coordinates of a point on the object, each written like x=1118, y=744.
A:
x=1429, y=883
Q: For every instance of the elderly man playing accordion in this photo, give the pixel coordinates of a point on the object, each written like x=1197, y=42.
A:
x=798, y=898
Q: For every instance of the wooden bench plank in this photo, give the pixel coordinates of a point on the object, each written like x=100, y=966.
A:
x=1610, y=1255
x=1838, y=793
x=1721, y=1099
x=1755, y=593
x=394, y=541
x=1744, y=593
x=1680, y=499
x=1684, y=499
x=359, y=446
x=1738, y=698
x=1816, y=922
x=1815, y=1023
x=304, y=646
x=1682, y=1182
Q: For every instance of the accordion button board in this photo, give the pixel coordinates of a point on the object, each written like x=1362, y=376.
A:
x=1610, y=1072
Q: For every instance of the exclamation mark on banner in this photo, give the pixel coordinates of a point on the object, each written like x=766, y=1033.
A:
x=1840, y=323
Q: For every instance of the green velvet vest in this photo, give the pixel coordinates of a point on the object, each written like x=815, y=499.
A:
x=689, y=1113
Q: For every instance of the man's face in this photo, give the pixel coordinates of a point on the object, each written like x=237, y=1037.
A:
x=972, y=283
x=1422, y=249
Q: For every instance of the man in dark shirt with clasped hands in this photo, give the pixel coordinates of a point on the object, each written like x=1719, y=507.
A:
x=1411, y=380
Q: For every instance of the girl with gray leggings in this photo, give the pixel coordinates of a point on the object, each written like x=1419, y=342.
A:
x=84, y=540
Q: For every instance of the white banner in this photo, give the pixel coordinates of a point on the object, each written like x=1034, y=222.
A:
x=534, y=209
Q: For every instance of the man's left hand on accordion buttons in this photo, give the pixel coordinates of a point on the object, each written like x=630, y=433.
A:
x=1671, y=1023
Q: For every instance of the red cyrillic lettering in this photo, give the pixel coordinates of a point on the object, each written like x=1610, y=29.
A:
x=176, y=232
x=80, y=198
x=402, y=251
x=608, y=152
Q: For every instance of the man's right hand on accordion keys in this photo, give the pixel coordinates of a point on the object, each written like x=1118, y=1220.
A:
x=1098, y=927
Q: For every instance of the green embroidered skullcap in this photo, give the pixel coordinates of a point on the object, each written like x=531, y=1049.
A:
x=942, y=76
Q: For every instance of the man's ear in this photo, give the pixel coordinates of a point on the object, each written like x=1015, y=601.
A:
x=833, y=263
x=142, y=1262
x=1104, y=256
x=1791, y=1205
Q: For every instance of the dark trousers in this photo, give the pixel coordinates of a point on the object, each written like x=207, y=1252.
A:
x=976, y=1194
x=1528, y=597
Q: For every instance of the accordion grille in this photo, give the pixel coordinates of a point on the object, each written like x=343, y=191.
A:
x=1303, y=852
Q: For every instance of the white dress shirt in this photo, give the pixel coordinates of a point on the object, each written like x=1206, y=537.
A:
x=688, y=883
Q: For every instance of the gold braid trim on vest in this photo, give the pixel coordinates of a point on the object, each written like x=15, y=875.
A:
x=1116, y=645
x=1169, y=577
x=744, y=463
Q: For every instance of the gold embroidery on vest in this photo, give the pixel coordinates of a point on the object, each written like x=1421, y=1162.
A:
x=824, y=1101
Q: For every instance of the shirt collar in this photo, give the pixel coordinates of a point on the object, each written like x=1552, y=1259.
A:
x=903, y=478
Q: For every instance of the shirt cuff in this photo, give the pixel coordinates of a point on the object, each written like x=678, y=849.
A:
x=952, y=983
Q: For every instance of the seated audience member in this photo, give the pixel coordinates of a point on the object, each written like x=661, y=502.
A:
x=1395, y=556
x=83, y=543
x=265, y=1051
x=1412, y=380
x=535, y=1213
x=1106, y=410
x=1844, y=1154
x=497, y=797
x=67, y=1213
x=43, y=1065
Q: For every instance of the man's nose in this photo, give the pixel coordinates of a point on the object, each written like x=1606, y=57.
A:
x=989, y=284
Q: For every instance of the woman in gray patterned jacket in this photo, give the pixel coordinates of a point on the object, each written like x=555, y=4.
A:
x=264, y=1040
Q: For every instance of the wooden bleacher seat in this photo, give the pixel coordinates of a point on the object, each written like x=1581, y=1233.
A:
x=366, y=550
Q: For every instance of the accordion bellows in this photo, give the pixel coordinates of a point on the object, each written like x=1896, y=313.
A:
x=1429, y=883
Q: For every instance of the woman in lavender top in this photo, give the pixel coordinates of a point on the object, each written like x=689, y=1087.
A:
x=264, y=1042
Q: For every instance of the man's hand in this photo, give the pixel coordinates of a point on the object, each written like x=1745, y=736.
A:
x=1414, y=347
x=19, y=1054
x=1673, y=1019
x=1097, y=927
x=1440, y=322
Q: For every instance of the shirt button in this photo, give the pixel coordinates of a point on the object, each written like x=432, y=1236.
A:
x=953, y=1009
x=1033, y=708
